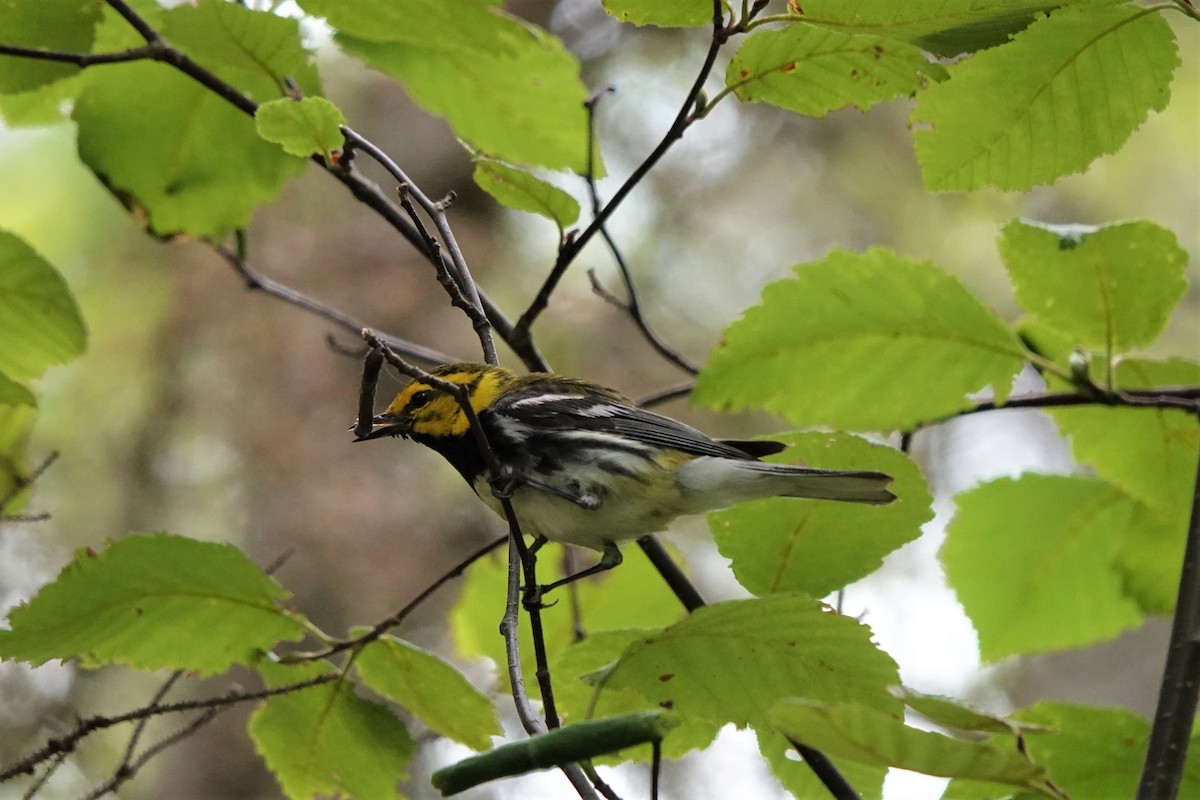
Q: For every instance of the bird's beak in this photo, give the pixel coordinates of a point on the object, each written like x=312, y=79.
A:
x=385, y=425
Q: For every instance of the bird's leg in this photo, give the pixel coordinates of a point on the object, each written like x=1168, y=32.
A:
x=610, y=558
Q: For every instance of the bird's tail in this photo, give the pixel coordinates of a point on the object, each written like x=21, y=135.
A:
x=716, y=483
x=852, y=486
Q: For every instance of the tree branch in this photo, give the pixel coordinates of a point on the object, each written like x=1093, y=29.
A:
x=683, y=119
x=1167, y=749
x=66, y=744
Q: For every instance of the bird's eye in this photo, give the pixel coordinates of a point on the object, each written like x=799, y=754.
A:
x=421, y=398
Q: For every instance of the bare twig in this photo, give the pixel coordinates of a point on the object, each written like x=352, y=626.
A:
x=631, y=306
x=1167, y=749
x=683, y=119
x=437, y=213
x=378, y=629
x=21, y=483
x=85, y=727
x=131, y=769
x=259, y=282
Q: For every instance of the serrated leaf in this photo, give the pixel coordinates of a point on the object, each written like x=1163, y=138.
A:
x=862, y=341
x=1032, y=561
x=303, y=127
x=327, y=741
x=1151, y=454
x=153, y=601
x=578, y=741
x=498, y=99
x=814, y=71
x=1109, y=288
x=786, y=545
x=944, y=27
x=240, y=42
x=520, y=190
x=40, y=322
x=200, y=169
x=1075, y=86
x=434, y=691
x=61, y=25
x=675, y=14
x=14, y=394
x=869, y=736
x=778, y=646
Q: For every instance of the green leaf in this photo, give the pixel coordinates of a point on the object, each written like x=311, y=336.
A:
x=62, y=25
x=497, y=96
x=255, y=50
x=1109, y=288
x=814, y=71
x=1032, y=562
x=14, y=394
x=798, y=777
x=862, y=341
x=777, y=646
x=785, y=545
x=201, y=171
x=153, y=601
x=46, y=105
x=1074, y=85
x=303, y=127
x=574, y=693
x=675, y=14
x=950, y=713
x=431, y=689
x=469, y=26
x=1151, y=454
x=520, y=190
x=40, y=322
x=327, y=741
x=199, y=168
x=944, y=27
x=869, y=736
x=1096, y=753
x=576, y=742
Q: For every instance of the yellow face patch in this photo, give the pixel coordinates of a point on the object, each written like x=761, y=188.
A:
x=431, y=412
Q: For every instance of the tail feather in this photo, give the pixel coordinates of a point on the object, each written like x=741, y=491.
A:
x=720, y=482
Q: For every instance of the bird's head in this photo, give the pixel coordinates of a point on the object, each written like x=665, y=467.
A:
x=423, y=411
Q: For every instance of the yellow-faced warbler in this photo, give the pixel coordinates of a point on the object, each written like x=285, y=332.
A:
x=592, y=469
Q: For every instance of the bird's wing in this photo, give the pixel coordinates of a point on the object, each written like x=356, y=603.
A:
x=603, y=413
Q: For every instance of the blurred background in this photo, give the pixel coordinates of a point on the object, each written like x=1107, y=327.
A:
x=217, y=413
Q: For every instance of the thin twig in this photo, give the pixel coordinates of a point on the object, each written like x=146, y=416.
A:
x=140, y=727
x=363, y=189
x=382, y=627
x=683, y=119
x=21, y=483
x=631, y=306
x=1166, y=752
x=132, y=768
x=259, y=282
x=437, y=213
x=67, y=743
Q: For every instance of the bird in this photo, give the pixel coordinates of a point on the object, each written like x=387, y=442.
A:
x=588, y=467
